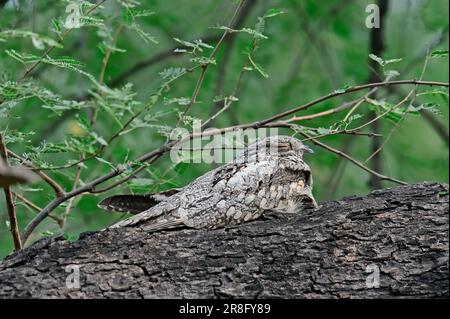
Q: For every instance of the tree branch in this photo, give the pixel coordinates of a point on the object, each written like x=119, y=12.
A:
x=377, y=47
x=397, y=237
x=59, y=191
x=354, y=161
x=13, y=226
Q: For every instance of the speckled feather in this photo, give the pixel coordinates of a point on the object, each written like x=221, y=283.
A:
x=268, y=175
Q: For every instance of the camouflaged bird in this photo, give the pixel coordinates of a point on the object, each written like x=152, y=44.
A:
x=269, y=174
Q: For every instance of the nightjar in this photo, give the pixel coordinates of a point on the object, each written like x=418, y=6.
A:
x=269, y=174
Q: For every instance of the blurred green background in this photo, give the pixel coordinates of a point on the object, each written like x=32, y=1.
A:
x=312, y=49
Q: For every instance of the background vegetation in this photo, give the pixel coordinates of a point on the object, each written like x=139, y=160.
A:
x=134, y=68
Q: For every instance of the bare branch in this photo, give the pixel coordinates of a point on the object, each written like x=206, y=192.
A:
x=51, y=182
x=35, y=207
x=13, y=226
x=354, y=161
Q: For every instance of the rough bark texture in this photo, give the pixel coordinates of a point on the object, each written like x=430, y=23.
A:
x=327, y=253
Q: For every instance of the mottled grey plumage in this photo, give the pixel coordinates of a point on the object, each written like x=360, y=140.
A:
x=268, y=175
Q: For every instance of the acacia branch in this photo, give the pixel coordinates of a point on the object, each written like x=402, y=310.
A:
x=13, y=226
x=351, y=159
x=70, y=203
x=350, y=90
x=35, y=207
x=59, y=191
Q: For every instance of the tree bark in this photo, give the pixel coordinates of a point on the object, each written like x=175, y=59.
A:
x=391, y=243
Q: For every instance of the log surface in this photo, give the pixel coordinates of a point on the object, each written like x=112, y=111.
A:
x=392, y=243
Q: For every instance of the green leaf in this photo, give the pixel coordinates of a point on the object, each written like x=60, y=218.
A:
x=84, y=123
x=272, y=13
x=180, y=168
x=392, y=61
x=323, y=131
x=354, y=117
x=57, y=27
x=439, y=54
x=185, y=43
x=435, y=92
x=147, y=37
x=30, y=35
x=203, y=60
x=91, y=21
x=30, y=189
x=382, y=62
x=130, y=14
x=254, y=33
x=51, y=148
x=129, y=3
x=102, y=160
x=342, y=90
x=257, y=67
x=15, y=136
x=225, y=99
x=64, y=62
x=382, y=107
x=178, y=100
x=86, y=126
x=431, y=107
x=99, y=139
x=379, y=60
x=172, y=73
x=394, y=117
x=47, y=233
x=391, y=73
x=197, y=45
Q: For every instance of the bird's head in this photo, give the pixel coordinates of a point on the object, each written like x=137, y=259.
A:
x=274, y=146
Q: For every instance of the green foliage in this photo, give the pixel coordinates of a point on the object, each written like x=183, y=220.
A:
x=439, y=54
x=39, y=41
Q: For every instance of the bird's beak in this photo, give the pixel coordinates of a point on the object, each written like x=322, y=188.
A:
x=307, y=149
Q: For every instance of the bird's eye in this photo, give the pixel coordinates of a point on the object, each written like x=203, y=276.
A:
x=283, y=147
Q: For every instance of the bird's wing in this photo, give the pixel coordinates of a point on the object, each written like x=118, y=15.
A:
x=163, y=223
x=135, y=204
x=201, y=195
x=226, y=196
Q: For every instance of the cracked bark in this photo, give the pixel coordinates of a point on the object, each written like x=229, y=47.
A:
x=402, y=232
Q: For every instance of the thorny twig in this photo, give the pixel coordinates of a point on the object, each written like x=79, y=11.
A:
x=13, y=226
